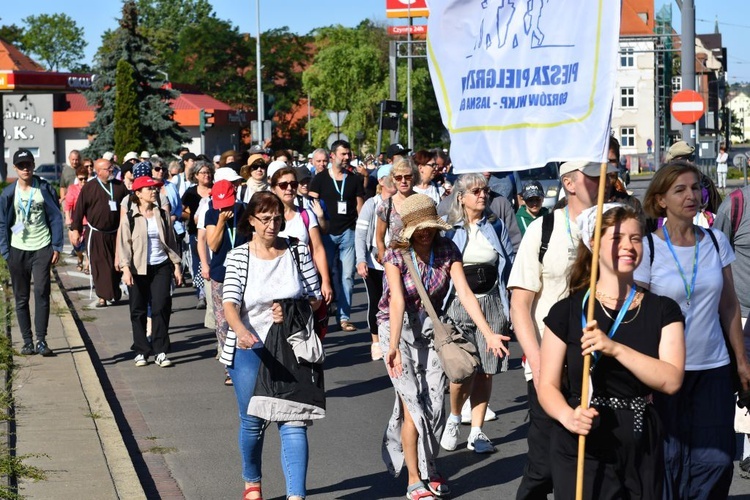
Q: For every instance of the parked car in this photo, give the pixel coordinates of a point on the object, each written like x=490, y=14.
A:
x=49, y=171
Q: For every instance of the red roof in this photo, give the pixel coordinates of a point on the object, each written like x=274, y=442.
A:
x=11, y=59
x=633, y=13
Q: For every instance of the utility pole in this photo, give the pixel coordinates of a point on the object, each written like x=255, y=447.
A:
x=261, y=111
x=687, y=8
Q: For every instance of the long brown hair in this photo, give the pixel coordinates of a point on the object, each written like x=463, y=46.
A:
x=580, y=273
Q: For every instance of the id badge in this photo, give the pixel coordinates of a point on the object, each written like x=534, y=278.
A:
x=17, y=228
x=342, y=207
x=112, y=206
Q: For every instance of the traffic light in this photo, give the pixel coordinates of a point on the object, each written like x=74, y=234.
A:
x=206, y=121
x=269, y=111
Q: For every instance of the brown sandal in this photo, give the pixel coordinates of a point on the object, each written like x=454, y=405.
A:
x=348, y=326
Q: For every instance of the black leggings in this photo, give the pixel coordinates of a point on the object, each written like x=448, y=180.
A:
x=374, y=285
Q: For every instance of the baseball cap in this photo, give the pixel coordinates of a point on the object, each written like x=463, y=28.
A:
x=274, y=167
x=590, y=168
x=226, y=174
x=234, y=165
x=132, y=155
x=255, y=150
x=145, y=155
x=532, y=190
x=384, y=171
x=22, y=155
x=396, y=149
x=217, y=158
x=145, y=181
x=303, y=174
x=142, y=169
x=223, y=193
x=679, y=149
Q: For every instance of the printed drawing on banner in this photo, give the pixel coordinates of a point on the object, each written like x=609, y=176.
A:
x=526, y=25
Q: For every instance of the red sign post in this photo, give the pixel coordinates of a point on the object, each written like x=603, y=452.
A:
x=688, y=106
x=406, y=8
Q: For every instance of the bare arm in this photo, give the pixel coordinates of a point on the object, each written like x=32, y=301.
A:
x=360, y=202
x=729, y=312
x=523, y=324
x=321, y=263
x=396, y=313
x=245, y=339
x=380, y=230
x=202, y=249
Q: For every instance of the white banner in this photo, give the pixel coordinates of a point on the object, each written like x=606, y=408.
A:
x=524, y=82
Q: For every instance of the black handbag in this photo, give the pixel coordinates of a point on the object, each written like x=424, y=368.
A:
x=481, y=277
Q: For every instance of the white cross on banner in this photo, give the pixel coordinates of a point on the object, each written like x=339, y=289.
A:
x=524, y=82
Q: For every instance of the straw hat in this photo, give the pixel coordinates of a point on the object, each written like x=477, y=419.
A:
x=419, y=212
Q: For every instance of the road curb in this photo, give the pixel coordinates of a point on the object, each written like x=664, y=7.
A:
x=118, y=460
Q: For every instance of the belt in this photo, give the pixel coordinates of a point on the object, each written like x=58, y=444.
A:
x=637, y=405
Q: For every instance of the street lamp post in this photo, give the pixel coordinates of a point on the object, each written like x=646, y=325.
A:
x=261, y=111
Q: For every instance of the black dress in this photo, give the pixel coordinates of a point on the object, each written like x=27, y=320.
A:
x=623, y=450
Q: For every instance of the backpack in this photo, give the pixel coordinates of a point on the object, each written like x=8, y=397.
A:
x=548, y=224
x=650, y=238
x=737, y=200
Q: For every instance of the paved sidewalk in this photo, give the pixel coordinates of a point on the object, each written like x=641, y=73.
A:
x=63, y=416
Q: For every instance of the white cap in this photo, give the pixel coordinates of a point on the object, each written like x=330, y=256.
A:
x=145, y=155
x=274, y=167
x=108, y=155
x=132, y=155
x=226, y=174
x=217, y=158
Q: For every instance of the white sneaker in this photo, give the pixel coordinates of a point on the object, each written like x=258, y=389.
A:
x=141, y=360
x=466, y=414
x=449, y=441
x=480, y=444
x=162, y=360
x=375, y=351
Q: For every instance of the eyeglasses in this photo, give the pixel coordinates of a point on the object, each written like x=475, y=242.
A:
x=205, y=172
x=431, y=165
x=478, y=191
x=256, y=166
x=89, y=165
x=266, y=221
x=284, y=185
x=156, y=169
x=405, y=177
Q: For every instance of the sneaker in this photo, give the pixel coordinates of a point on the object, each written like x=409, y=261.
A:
x=28, y=349
x=201, y=303
x=449, y=441
x=745, y=468
x=466, y=414
x=43, y=349
x=376, y=352
x=162, y=360
x=141, y=360
x=481, y=444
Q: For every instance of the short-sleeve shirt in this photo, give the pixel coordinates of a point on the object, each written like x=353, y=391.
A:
x=330, y=191
x=436, y=280
x=296, y=227
x=217, y=269
x=640, y=330
x=704, y=341
x=30, y=210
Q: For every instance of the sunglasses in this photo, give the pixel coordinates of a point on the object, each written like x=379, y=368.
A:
x=82, y=179
x=477, y=191
x=284, y=185
x=405, y=177
x=25, y=166
x=245, y=135
x=156, y=169
x=256, y=166
x=431, y=165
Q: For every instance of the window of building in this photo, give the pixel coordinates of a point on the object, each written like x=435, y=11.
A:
x=627, y=97
x=627, y=137
x=627, y=59
x=676, y=83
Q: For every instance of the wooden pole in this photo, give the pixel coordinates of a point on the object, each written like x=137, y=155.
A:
x=590, y=317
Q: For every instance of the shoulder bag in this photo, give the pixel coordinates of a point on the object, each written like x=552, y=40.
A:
x=458, y=356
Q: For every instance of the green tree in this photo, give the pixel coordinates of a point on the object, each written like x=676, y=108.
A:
x=55, y=39
x=211, y=55
x=12, y=33
x=159, y=132
x=163, y=21
x=126, y=124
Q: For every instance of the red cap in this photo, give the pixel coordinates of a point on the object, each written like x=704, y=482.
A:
x=145, y=181
x=223, y=194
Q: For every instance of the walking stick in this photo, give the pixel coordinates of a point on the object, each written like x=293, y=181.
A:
x=590, y=317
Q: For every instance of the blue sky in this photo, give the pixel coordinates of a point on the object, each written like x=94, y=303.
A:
x=304, y=15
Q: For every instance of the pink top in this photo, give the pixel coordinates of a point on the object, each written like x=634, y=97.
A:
x=71, y=198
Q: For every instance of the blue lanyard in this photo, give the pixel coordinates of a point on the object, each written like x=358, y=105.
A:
x=615, y=325
x=336, y=186
x=430, y=268
x=26, y=213
x=689, y=289
x=567, y=228
x=109, y=189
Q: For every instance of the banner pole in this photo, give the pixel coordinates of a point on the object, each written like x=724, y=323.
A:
x=589, y=317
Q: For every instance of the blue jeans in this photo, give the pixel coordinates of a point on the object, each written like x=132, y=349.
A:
x=294, y=449
x=341, y=263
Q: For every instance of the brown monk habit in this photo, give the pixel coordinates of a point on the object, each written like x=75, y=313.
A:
x=102, y=224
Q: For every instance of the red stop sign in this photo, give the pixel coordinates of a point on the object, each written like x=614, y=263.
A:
x=688, y=106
